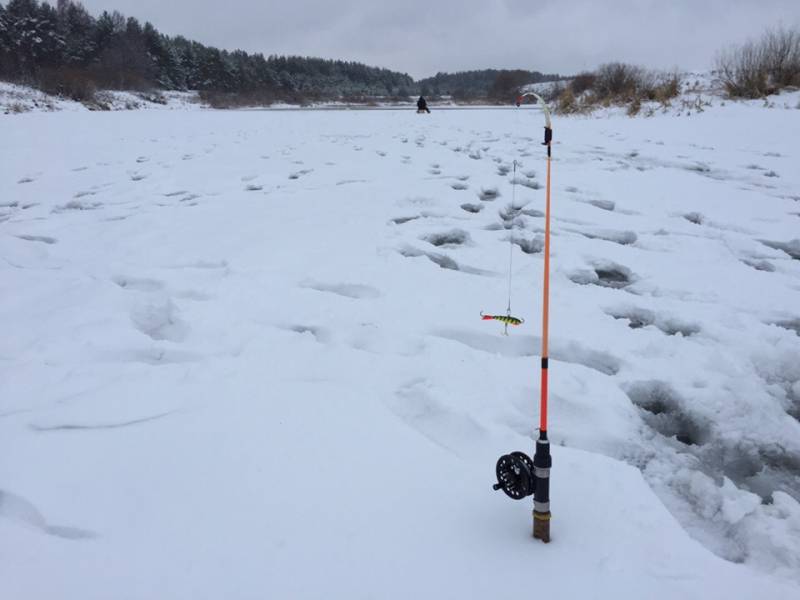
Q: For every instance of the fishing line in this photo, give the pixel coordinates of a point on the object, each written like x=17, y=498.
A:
x=509, y=217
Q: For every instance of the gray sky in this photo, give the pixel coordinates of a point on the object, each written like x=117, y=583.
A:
x=423, y=37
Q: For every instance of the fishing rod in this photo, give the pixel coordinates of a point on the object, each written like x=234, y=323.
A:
x=517, y=475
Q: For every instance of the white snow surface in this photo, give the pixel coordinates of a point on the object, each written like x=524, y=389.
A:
x=242, y=357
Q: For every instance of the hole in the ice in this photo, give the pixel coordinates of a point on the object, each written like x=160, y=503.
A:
x=604, y=274
x=509, y=214
x=662, y=411
x=761, y=468
x=459, y=186
x=472, y=208
x=674, y=327
x=792, y=247
x=530, y=246
x=641, y=317
x=694, y=217
x=613, y=277
x=454, y=237
x=636, y=317
x=489, y=194
x=790, y=324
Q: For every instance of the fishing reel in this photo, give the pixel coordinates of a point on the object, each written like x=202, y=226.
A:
x=515, y=475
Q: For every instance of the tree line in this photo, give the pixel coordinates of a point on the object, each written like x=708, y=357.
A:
x=62, y=49
x=491, y=84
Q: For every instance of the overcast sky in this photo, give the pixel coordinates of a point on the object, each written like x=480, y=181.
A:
x=421, y=37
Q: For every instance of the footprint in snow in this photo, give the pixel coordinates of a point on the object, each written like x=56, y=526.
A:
x=759, y=264
x=17, y=508
x=445, y=262
x=348, y=290
x=78, y=206
x=318, y=334
x=522, y=345
x=419, y=405
x=402, y=220
x=623, y=238
x=44, y=239
x=140, y=284
x=159, y=320
x=524, y=181
x=603, y=204
x=300, y=173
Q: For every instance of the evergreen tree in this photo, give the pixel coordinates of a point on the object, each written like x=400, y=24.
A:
x=77, y=29
x=66, y=49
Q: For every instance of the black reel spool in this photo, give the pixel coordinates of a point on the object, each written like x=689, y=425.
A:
x=515, y=475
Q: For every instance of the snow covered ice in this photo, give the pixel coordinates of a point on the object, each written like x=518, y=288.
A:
x=242, y=356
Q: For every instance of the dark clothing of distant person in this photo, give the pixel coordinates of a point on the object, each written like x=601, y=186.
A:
x=422, y=105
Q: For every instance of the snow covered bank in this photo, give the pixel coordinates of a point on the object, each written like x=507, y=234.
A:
x=17, y=99
x=242, y=354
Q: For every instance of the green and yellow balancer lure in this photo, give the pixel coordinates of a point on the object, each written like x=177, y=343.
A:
x=504, y=319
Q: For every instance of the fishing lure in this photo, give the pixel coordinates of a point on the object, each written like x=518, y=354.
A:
x=506, y=320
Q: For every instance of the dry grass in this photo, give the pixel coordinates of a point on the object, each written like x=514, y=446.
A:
x=758, y=68
x=618, y=84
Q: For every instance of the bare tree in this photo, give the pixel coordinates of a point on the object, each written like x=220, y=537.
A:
x=756, y=69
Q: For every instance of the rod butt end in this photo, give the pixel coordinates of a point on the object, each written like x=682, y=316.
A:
x=541, y=526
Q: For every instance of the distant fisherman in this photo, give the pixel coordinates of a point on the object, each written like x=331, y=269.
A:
x=422, y=106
